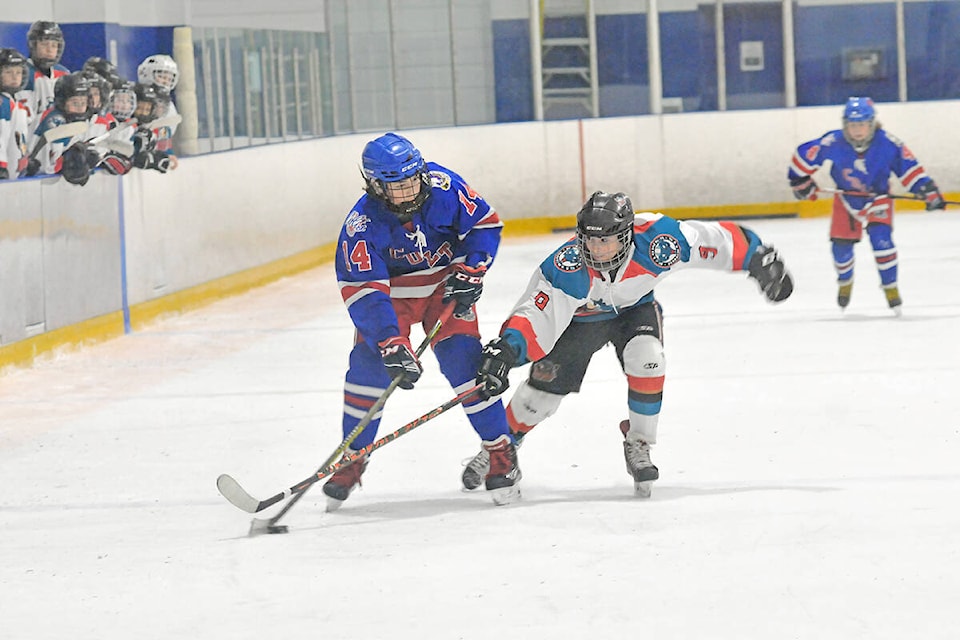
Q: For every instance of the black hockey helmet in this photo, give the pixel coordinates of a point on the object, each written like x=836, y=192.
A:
x=45, y=30
x=151, y=103
x=100, y=90
x=105, y=69
x=606, y=215
x=70, y=86
x=13, y=58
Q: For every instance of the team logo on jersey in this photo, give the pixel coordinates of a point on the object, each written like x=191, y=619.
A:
x=440, y=179
x=664, y=250
x=545, y=371
x=567, y=259
x=356, y=223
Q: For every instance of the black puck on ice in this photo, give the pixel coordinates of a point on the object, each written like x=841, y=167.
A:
x=277, y=528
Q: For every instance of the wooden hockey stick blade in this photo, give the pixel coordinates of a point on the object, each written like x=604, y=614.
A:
x=66, y=131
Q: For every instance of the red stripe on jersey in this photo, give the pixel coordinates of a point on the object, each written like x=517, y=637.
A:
x=491, y=219
x=641, y=228
x=419, y=278
x=801, y=167
x=912, y=175
x=348, y=291
x=645, y=385
x=740, y=244
x=634, y=269
x=534, y=350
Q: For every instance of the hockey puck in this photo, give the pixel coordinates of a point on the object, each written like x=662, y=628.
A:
x=277, y=528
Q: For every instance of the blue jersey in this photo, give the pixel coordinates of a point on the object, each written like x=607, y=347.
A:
x=867, y=172
x=378, y=258
x=565, y=290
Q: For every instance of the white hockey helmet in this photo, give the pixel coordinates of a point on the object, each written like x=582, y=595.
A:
x=160, y=70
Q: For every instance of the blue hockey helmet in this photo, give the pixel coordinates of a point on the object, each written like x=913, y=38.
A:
x=393, y=158
x=859, y=109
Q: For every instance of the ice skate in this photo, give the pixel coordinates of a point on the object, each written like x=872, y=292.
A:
x=893, y=299
x=504, y=474
x=843, y=294
x=341, y=484
x=478, y=467
x=636, y=452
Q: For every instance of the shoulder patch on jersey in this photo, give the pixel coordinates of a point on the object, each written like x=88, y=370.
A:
x=440, y=180
x=567, y=259
x=356, y=223
x=828, y=139
x=665, y=250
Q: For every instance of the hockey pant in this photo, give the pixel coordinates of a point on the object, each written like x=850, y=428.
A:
x=458, y=355
x=637, y=336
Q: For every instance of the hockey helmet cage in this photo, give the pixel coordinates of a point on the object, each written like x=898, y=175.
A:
x=160, y=70
x=70, y=86
x=123, y=101
x=13, y=58
x=606, y=215
x=149, y=103
x=392, y=158
x=45, y=30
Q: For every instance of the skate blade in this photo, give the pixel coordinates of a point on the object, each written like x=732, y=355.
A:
x=505, y=495
x=897, y=311
x=333, y=504
x=643, y=489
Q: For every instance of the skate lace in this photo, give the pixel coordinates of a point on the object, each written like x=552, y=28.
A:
x=637, y=454
x=478, y=463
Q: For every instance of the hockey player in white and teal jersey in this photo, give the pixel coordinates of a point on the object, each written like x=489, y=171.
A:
x=597, y=288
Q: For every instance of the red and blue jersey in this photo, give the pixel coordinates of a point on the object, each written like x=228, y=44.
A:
x=866, y=172
x=379, y=258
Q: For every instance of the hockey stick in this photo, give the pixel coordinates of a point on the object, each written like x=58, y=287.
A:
x=57, y=133
x=868, y=194
x=271, y=525
x=239, y=498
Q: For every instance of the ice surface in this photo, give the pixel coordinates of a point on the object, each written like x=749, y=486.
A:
x=809, y=474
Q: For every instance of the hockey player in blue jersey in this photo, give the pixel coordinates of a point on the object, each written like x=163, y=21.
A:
x=420, y=239
x=863, y=157
x=597, y=288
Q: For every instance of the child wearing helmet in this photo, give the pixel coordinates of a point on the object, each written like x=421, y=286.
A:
x=161, y=72
x=863, y=158
x=46, y=43
x=597, y=289
x=414, y=250
x=14, y=117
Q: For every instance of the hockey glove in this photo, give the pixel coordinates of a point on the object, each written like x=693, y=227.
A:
x=932, y=195
x=496, y=360
x=33, y=167
x=116, y=164
x=75, y=167
x=804, y=188
x=4, y=175
x=768, y=270
x=143, y=140
x=400, y=361
x=464, y=286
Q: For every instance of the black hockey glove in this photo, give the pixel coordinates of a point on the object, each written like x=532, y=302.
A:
x=75, y=166
x=464, y=286
x=400, y=361
x=804, y=188
x=932, y=195
x=496, y=360
x=33, y=167
x=116, y=164
x=4, y=174
x=143, y=140
x=768, y=270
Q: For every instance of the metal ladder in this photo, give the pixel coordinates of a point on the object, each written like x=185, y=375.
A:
x=568, y=59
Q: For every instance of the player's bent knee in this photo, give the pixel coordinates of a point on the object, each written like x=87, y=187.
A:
x=643, y=357
x=532, y=406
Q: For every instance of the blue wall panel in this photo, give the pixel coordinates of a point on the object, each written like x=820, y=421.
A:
x=933, y=50
x=822, y=33
x=512, y=70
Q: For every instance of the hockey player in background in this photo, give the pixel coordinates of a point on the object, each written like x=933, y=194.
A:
x=863, y=157
x=597, y=288
x=70, y=157
x=14, y=117
x=150, y=105
x=162, y=73
x=46, y=43
x=420, y=239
